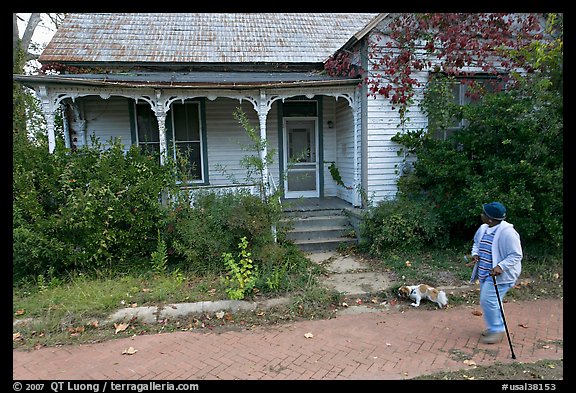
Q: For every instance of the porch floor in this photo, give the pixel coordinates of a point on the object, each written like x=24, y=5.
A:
x=314, y=204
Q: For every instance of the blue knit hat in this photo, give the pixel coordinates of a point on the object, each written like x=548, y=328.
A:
x=494, y=210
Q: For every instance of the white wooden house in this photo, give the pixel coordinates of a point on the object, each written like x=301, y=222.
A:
x=171, y=82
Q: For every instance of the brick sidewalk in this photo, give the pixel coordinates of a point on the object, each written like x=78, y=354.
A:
x=380, y=345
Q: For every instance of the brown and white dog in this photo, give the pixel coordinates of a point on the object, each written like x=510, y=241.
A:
x=423, y=291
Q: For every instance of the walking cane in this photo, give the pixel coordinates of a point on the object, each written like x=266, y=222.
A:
x=503, y=318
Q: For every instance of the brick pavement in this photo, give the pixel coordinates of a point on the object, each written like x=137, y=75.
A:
x=386, y=345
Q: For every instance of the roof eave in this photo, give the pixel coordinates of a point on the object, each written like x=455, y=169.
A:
x=363, y=32
x=33, y=81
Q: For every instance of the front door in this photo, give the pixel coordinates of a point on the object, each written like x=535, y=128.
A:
x=301, y=158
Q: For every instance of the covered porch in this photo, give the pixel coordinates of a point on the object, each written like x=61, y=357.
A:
x=329, y=136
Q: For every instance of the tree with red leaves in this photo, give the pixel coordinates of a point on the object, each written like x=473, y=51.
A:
x=455, y=44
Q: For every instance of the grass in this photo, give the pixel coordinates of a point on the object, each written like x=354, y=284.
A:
x=75, y=310
x=548, y=370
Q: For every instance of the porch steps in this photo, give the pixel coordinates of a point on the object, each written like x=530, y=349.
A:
x=318, y=230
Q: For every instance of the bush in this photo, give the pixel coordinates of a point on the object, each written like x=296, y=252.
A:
x=85, y=210
x=401, y=224
x=215, y=224
x=511, y=151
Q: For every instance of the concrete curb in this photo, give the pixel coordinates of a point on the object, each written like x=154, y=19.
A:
x=156, y=314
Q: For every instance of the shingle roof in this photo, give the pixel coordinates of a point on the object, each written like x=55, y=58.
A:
x=203, y=37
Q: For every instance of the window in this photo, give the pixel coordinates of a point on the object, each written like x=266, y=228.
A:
x=147, y=135
x=183, y=134
x=464, y=93
x=300, y=109
x=187, y=143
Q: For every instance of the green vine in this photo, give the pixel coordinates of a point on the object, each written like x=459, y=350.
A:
x=336, y=175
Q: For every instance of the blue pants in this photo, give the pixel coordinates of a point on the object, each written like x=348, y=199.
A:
x=490, y=307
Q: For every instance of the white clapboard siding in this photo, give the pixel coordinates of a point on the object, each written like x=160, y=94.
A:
x=383, y=158
x=106, y=119
x=227, y=141
x=345, y=148
x=329, y=141
x=384, y=161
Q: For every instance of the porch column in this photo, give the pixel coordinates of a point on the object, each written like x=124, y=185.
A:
x=77, y=124
x=66, y=125
x=82, y=131
x=50, y=128
x=48, y=110
x=161, y=118
x=262, y=114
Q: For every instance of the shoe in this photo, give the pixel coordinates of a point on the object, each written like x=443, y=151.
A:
x=492, y=338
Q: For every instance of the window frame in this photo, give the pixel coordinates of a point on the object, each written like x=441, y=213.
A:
x=462, y=99
x=171, y=141
x=200, y=141
x=151, y=117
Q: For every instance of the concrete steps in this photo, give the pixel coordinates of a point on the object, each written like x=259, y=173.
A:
x=319, y=230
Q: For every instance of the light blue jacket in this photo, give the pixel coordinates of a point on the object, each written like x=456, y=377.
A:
x=506, y=252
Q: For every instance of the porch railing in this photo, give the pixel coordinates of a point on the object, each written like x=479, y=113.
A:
x=223, y=188
x=253, y=188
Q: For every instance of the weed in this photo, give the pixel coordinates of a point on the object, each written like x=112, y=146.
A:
x=242, y=275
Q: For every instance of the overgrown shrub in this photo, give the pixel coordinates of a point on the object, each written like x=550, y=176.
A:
x=215, y=224
x=92, y=209
x=402, y=224
x=511, y=151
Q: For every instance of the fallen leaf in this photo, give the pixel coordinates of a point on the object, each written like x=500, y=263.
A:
x=145, y=289
x=344, y=304
x=220, y=314
x=260, y=314
x=523, y=325
x=408, y=263
x=94, y=323
x=16, y=336
x=76, y=331
x=134, y=305
x=469, y=362
x=388, y=344
x=551, y=366
x=129, y=351
x=546, y=346
x=556, y=276
x=476, y=312
x=308, y=335
x=20, y=312
x=228, y=317
x=120, y=327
